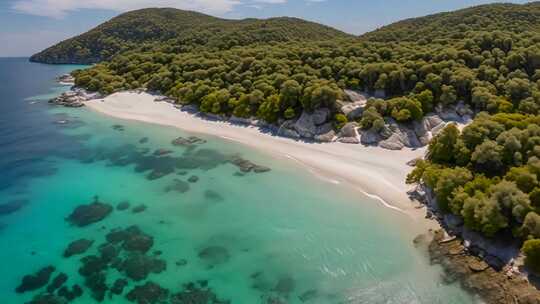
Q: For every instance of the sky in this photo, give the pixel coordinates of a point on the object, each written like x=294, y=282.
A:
x=28, y=26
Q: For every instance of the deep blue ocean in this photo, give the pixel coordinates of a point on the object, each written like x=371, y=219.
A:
x=183, y=224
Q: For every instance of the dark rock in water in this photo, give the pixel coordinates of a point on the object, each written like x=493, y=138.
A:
x=161, y=152
x=158, y=252
x=285, y=286
x=108, y=252
x=261, y=169
x=178, y=186
x=213, y=195
x=308, y=295
x=181, y=262
x=143, y=140
x=138, y=266
x=87, y=214
x=75, y=292
x=57, y=282
x=192, y=140
x=243, y=164
x=150, y=293
x=48, y=299
x=138, y=209
x=123, y=206
x=97, y=284
x=12, y=206
x=77, y=247
x=193, y=179
x=118, y=127
x=214, y=255
x=118, y=286
x=91, y=265
x=155, y=174
x=35, y=281
x=131, y=238
x=247, y=166
x=138, y=242
x=196, y=294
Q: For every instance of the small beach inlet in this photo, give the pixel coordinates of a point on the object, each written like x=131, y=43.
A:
x=98, y=209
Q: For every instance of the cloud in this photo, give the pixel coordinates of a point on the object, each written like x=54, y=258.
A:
x=59, y=8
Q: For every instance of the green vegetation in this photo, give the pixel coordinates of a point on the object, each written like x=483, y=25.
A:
x=182, y=31
x=493, y=71
x=486, y=57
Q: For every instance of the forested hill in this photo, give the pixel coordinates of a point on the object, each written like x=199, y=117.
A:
x=455, y=25
x=183, y=31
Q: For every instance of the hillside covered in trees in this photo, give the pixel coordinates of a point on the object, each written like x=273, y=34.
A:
x=485, y=58
x=183, y=30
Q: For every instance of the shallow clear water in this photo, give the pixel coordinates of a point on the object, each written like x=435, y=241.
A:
x=277, y=237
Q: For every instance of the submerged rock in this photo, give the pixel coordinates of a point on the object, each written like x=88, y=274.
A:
x=118, y=286
x=12, y=206
x=193, y=179
x=191, y=140
x=35, y=281
x=139, y=208
x=123, y=206
x=118, y=127
x=131, y=238
x=162, y=152
x=144, y=140
x=77, y=247
x=150, y=293
x=48, y=299
x=214, y=255
x=212, y=195
x=88, y=214
x=98, y=285
x=75, y=292
x=196, y=293
x=178, y=186
x=138, y=266
x=57, y=282
x=92, y=264
x=285, y=285
x=108, y=252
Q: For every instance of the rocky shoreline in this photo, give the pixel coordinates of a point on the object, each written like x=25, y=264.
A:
x=475, y=275
x=492, y=269
x=74, y=98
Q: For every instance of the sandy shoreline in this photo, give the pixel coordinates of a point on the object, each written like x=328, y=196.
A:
x=376, y=172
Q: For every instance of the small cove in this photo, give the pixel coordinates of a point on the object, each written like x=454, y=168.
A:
x=283, y=235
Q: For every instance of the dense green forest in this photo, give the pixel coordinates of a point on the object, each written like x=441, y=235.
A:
x=184, y=30
x=487, y=57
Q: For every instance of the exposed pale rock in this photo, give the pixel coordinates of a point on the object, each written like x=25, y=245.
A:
x=327, y=137
x=349, y=130
x=394, y=142
x=349, y=140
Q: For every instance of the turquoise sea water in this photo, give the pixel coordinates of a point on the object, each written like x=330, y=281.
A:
x=282, y=236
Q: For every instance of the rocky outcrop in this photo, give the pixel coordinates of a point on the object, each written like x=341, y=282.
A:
x=355, y=107
x=74, y=98
x=307, y=126
x=395, y=136
x=66, y=79
x=477, y=276
x=85, y=215
x=349, y=134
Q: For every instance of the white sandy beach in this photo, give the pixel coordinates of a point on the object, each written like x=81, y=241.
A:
x=375, y=171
